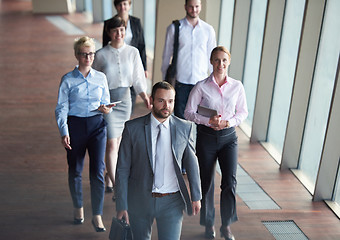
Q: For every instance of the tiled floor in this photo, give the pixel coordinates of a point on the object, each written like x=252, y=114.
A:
x=35, y=202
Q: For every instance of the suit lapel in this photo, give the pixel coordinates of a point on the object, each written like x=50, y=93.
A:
x=178, y=167
x=147, y=129
x=173, y=138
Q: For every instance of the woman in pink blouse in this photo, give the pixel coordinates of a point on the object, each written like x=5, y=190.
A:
x=224, y=107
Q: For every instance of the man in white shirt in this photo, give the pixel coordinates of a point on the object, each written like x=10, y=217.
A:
x=196, y=41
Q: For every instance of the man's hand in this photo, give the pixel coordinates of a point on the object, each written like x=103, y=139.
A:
x=123, y=214
x=196, y=206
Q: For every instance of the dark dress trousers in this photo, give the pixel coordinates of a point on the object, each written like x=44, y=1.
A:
x=87, y=133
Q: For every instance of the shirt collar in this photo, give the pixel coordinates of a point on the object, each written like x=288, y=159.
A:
x=117, y=49
x=189, y=24
x=227, y=81
x=155, y=122
x=77, y=73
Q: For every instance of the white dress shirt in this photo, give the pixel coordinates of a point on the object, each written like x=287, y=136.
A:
x=128, y=34
x=195, y=46
x=123, y=67
x=170, y=179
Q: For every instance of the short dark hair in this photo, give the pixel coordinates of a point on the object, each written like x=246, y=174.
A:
x=161, y=85
x=116, y=2
x=186, y=2
x=114, y=22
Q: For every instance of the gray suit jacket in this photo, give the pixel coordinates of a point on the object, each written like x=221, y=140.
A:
x=134, y=174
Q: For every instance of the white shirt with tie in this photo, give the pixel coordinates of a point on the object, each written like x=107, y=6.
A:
x=170, y=179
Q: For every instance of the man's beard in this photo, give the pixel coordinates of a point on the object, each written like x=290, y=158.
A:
x=159, y=114
x=192, y=15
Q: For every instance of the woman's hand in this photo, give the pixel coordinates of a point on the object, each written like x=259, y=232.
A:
x=217, y=123
x=105, y=109
x=65, y=141
x=146, y=99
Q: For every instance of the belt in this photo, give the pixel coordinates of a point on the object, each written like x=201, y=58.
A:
x=184, y=84
x=158, y=195
x=209, y=130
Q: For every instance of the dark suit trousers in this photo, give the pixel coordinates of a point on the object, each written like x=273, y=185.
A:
x=87, y=133
x=133, y=98
x=222, y=146
x=182, y=95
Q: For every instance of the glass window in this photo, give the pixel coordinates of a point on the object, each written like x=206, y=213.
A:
x=226, y=23
x=321, y=94
x=149, y=25
x=88, y=5
x=285, y=73
x=253, y=53
x=107, y=9
x=337, y=189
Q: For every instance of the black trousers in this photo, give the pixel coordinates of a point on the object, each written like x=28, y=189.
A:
x=222, y=146
x=182, y=95
x=133, y=98
x=87, y=133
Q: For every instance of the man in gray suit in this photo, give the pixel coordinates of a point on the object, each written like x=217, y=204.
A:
x=140, y=198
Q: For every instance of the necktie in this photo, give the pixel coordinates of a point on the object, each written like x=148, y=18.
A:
x=159, y=159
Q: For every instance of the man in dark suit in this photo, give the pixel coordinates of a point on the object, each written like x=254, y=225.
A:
x=140, y=199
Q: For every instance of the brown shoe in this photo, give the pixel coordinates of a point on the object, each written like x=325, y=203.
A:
x=226, y=233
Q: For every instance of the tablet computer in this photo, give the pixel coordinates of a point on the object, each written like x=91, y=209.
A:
x=205, y=111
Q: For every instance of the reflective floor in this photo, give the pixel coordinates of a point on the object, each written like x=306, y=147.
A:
x=35, y=201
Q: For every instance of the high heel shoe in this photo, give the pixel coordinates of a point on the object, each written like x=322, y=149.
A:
x=78, y=221
x=109, y=190
x=98, y=229
x=78, y=216
x=107, y=182
x=226, y=233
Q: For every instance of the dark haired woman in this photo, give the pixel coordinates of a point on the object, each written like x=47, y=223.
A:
x=123, y=68
x=134, y=35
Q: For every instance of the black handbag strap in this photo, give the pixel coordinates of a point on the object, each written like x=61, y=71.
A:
x=174, y=56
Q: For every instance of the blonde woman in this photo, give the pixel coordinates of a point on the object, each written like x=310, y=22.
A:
x=83, y=99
